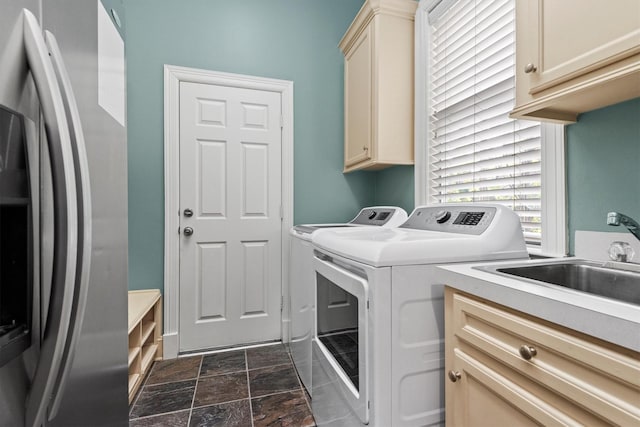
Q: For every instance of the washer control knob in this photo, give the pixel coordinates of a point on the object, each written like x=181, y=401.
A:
x=373, y=214
x=442, y=216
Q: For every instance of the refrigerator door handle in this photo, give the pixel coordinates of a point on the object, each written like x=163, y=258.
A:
x=83, y=192
x=65, y=222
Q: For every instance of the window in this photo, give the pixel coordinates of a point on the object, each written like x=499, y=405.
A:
x=468, y=149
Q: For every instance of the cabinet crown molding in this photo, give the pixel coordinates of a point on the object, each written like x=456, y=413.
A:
x=405, y=9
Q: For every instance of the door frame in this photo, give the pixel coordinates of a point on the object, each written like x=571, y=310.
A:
x=173, y=75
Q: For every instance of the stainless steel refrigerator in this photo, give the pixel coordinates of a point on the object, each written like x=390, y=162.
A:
x=63, y=219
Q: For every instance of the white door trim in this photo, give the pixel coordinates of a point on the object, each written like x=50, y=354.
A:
x=173, y=75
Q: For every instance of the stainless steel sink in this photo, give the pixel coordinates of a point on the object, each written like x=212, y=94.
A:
x=612, y=280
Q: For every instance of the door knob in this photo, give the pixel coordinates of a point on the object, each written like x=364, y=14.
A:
x=188, y=213
x=188, y=231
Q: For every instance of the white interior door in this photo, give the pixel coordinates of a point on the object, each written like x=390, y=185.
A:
x=230, y=179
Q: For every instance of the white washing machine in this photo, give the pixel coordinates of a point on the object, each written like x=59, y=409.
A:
x=302, y=279
x=381, y=361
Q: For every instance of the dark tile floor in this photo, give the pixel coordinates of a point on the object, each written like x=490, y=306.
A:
x=255, y=387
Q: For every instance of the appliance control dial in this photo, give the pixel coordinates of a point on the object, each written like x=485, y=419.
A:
x=442, y=216
x=373, y=214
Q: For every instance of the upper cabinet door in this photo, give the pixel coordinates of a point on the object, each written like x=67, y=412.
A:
x=358, y=69
x=574, y=56
x=378, y=86
x=575, y=37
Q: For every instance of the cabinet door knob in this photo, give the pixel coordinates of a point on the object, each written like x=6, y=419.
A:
x=527, y=352
x=188, y=213
x=188, y=231
x=530, y=68
x=365, y=148
x=454, y=376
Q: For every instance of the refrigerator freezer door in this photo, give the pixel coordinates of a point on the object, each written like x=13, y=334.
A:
x=83, y=193
x=65, y=221
x=18, y=93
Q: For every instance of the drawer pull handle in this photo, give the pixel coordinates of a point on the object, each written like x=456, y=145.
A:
x=527, y=352
x=454, y=376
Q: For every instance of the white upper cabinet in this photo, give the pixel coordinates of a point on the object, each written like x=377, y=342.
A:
x=574, y=56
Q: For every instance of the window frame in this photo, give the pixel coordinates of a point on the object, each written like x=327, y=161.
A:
x=553, y=181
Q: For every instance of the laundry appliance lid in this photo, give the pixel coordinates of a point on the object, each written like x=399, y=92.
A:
x=375, y=216
x=469, y=233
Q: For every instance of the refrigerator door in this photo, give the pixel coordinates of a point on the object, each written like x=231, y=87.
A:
x=18, y=93
x=96, y=391
x=65, y=221
x=83, y=193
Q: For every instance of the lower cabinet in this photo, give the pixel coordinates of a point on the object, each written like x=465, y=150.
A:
x=504, y=367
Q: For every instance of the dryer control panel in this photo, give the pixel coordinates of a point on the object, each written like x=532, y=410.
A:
x=463, y=219
x=378, y=215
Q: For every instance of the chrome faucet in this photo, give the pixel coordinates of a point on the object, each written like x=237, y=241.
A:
x=616, y=218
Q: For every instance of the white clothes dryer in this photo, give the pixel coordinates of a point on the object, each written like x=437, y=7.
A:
x=302, y=279
x=381, y=362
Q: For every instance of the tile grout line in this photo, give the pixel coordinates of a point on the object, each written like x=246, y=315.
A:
x=171, y=382
x=159, y=415
x=163, y=413
x=222, y=373
x=220, y=403
x=143, y=384
x=299, y=389
x=195, y=390
x=304, y=391
x=246, y=364
x=293, y=390
x=271, y=366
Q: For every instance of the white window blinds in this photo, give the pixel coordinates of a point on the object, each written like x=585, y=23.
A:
x=476, y=152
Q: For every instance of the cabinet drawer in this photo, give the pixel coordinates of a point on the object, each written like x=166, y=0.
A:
x=597, y=376
x=497, y=395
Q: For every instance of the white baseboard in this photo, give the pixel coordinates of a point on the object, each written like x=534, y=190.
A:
x=170, y=346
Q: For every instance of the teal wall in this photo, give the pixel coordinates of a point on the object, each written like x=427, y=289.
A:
x=395, y=187
x=285, y=39
x=603, y=167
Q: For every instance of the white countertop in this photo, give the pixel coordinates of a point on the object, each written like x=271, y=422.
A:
x=604, y=318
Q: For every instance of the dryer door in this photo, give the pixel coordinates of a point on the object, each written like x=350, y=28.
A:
x=341, y=340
